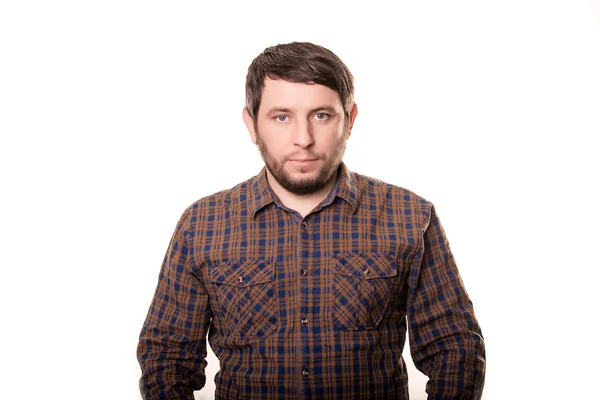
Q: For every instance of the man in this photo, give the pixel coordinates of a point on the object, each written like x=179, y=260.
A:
x=304, y=276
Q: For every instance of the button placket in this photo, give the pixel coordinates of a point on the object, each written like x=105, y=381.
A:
x=305, y=244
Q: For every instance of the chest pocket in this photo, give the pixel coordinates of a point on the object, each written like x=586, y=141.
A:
x=246, y=297
x=362, y=287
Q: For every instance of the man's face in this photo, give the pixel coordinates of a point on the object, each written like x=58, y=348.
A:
x=301, y=133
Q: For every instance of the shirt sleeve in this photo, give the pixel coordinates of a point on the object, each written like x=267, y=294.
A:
x=172, y=343
x=445, y=338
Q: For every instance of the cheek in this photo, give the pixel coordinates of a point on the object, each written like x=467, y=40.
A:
x=330, y=135
x=274, y=141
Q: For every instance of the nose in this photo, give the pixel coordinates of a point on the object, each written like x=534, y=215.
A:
x=303, y=135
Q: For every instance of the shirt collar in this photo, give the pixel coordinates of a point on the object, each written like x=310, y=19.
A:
x=347, y=188
x=260, y=194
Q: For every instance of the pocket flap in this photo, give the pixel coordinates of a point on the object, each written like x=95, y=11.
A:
x=243, y=273
x=365, y=265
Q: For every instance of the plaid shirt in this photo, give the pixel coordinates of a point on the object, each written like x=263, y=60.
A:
x=314, y=307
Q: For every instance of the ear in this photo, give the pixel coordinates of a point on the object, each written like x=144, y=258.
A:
x=249, y=122
x=353, y=115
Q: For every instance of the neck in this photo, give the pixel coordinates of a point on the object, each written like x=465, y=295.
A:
x=303, y=204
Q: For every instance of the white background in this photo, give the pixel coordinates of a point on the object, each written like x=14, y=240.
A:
x=116, y=115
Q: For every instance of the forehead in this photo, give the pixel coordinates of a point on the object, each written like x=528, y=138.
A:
x=279, y=93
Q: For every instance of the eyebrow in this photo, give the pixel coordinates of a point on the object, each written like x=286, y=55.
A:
x=328, y=109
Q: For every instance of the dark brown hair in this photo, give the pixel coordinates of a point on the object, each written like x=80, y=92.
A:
x=299, y=62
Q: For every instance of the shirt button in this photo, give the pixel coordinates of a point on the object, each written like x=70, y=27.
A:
x=305, y=372
x=304, y=272
x=241, y=279
x=305, y=223
x=304, y=321
x=367, y=271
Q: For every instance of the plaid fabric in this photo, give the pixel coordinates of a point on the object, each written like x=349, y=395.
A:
x=312, y=308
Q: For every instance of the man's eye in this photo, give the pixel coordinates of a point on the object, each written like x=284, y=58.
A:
x=282, y=118
x=321, y=116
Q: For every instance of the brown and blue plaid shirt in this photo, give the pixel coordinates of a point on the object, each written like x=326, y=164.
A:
x=314, y=307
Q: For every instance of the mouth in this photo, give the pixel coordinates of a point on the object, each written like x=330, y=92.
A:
x=303, y=161
x=300, y=160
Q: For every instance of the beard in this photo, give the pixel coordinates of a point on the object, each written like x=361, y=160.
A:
x=303, y=186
